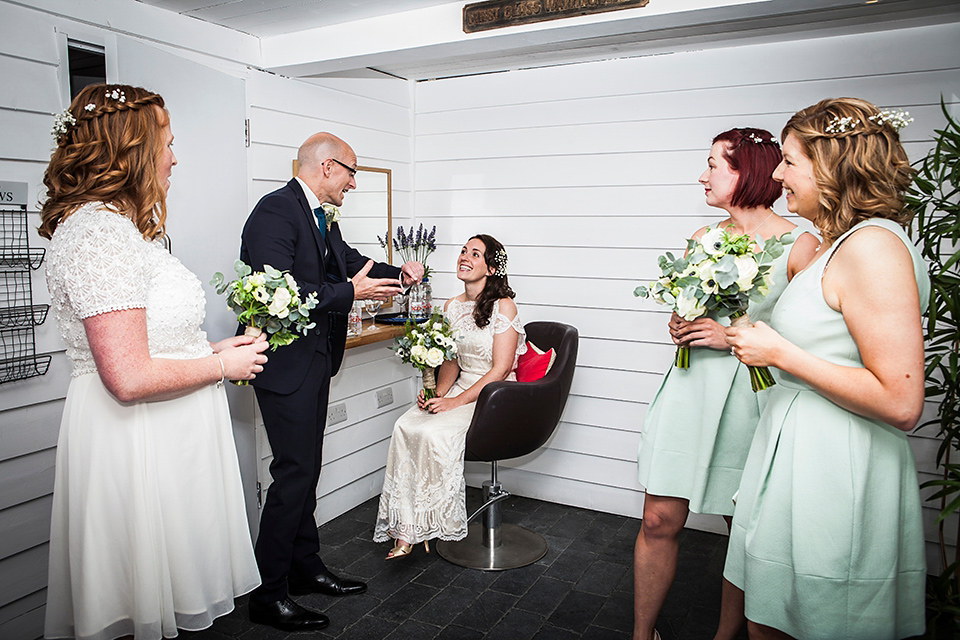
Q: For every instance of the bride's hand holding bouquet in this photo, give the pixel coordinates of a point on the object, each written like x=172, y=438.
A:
x=267, y=302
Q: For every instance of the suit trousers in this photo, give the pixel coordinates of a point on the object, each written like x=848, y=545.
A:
x=288, y=541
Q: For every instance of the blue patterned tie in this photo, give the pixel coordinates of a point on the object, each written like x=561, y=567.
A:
x=321, y=220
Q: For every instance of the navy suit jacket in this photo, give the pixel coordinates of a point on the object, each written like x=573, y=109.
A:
x=282, y=232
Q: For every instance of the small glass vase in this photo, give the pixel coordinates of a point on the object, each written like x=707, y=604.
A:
x=419, y=301
x=760, y=377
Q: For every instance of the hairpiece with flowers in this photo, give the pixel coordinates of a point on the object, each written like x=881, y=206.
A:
x=756, y=139
x=500, y=263
x=895, y=119
x=64, y=120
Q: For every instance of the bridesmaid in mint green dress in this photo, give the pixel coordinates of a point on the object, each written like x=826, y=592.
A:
x=827, y=539
x=699, y=426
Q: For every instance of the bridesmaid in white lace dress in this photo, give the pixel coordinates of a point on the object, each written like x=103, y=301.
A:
x=424, y=490
x=148, y=530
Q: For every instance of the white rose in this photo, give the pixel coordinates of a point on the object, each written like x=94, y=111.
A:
x=278, y=306
x=291, y=283
x=747, y=269
x=689, y=308
x=418, y=353
x=256, y=280
x=712, y=241
x=434, y=357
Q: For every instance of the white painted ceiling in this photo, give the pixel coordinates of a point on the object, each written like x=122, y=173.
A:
x=266, y=18
x=313, y=38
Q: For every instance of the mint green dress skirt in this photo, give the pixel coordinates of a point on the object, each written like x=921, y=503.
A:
x=827, y=538
x=699, y=426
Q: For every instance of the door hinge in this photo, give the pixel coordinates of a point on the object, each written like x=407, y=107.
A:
x=246, y=131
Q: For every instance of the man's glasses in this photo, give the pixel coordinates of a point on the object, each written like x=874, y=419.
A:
x=352, y=171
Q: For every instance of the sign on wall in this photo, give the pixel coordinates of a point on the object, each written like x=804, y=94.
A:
x=494, y=14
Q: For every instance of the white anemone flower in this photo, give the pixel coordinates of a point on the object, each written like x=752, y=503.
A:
x=712, y=241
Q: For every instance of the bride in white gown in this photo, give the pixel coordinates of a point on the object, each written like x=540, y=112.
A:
x=148, y=528
x=424, y=490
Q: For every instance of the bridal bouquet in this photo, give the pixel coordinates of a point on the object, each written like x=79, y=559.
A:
x=412, y=246
x=720, y=273
x=426, y=346
x=269, y=301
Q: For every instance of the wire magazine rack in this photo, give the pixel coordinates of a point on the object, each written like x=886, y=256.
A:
x=18, y=314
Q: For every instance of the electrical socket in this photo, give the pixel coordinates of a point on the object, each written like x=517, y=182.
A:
x=336, y=413
x=384, y=397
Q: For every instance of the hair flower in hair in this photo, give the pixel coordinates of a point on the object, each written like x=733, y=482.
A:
x=841, y=125
x=90, y=106
x=897, y=119
x=116, y=94
x=500, y=262
x=62, y=123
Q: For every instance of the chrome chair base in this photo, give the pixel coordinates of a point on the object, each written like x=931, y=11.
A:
x=518, y=548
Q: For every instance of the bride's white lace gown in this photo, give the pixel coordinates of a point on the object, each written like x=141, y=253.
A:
x=148, y=531
x=424, y=489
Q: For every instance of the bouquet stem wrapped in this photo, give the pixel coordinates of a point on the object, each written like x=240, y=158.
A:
x=760, y=377
x=429, y=383
x=426, y=347
x=720, y=274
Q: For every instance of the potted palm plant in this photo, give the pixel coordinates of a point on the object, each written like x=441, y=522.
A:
x=935, y=198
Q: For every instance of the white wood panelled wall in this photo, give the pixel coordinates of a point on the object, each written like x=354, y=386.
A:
x=587, y=172
x=29, y=409
x=373, y=115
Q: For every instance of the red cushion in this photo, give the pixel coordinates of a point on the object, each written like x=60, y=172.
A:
x=534, y=364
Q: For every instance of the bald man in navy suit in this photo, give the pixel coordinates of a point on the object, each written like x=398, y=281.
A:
x=287, y=230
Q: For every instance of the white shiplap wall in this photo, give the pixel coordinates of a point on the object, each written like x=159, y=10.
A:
x=373, y=115
x=587, y=172
x=30, y=410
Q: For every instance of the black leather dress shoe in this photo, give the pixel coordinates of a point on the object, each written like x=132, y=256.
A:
x=286, y=615
x=325, y=583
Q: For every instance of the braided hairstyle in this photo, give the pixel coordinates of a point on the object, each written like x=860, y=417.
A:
x=109, y=154
x=859, y=165
x=496, y=286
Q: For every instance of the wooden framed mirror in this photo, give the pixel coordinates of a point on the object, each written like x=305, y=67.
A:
x=367, y=212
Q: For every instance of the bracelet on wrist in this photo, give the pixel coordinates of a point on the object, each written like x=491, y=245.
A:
x=222, y=372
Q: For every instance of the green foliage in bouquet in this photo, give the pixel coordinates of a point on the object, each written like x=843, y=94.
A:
x=720, y=274
x=268, y=300
x=935, y=199
x=426, y=346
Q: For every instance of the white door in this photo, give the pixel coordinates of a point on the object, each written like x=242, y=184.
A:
x=207, y=203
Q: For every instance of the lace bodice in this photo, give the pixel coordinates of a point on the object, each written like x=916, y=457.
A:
x=99, y=262
x=475, y=344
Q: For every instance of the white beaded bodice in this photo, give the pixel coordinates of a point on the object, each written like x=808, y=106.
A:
x=475, y=344
x=99, y=262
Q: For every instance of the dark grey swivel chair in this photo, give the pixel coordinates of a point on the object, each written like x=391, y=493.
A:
x=511, y=420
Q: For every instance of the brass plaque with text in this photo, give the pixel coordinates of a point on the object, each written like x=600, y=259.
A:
x=494, y=14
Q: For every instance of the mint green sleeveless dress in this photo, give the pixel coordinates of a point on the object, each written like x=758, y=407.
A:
x=701, y=421
x=827, y=540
